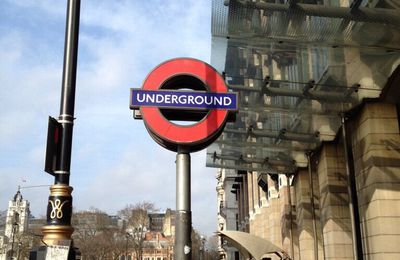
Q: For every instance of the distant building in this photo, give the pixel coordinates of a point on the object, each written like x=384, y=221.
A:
x=157, y=247
x=156, y=221
x=3, y=217
x=158, y=237
x=169, y=223
x=116, y=221
x=159, y=241
x=16, y=223
x=228, y=211
x=94, y=221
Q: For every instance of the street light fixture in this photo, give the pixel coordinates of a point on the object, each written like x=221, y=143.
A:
x=202, y=247
x=127, y=236
x=14, y=229
x=19, y=249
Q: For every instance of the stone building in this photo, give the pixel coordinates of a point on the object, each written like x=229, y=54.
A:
x=162, y=222
x=154, y=240
x=16, y=224
x=315, y=148
x=228, y=211
x=169, y=223
x=157, y=246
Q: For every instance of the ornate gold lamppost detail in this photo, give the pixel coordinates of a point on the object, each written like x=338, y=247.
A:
x=59, y=211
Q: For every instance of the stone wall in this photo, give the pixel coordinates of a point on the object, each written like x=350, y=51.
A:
x=376, y=152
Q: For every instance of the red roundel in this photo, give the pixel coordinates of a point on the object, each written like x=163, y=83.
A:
x=193, y=136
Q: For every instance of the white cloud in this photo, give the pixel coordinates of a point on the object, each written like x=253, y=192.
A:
x=48, y=6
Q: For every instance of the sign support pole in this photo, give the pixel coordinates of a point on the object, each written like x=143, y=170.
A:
x=183, y=224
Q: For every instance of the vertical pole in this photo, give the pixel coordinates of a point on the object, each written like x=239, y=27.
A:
x=14, y=227
x=183, y=218
x=59, y=208
x=18, y=250
x=126, y=247
x=67, y=106
x=290, y=216
x=312, y=207
x=202, y=248
x=352, y=200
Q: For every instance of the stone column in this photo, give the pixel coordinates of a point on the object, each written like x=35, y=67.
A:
x=245, y=221
x=256, y=193
x=304, y=216
x=376, y=152
x=334, y=201
x=263, y=216
x=250, y=194
x=285, y=214
x=255, y=218
x=274, y=216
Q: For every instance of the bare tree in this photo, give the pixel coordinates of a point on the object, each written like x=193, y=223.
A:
x=204, y=248
x=211, y=251
x=24, y=243
x=196, y=244
x=95, y=236
x=137, y=223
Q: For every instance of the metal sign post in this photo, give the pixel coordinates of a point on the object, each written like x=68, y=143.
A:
x=164, y=97
x=183, y=218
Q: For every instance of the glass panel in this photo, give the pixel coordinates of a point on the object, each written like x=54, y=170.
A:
x=296, y=74
x=326, y=23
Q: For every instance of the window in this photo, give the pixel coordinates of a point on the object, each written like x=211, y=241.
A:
x=237, y=221
x=398, y=113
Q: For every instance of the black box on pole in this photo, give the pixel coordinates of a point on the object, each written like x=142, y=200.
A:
x=54, y=133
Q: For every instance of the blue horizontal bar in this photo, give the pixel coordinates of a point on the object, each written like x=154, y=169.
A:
x=183, y=99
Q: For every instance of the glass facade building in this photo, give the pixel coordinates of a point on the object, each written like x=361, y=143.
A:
x=317, y=126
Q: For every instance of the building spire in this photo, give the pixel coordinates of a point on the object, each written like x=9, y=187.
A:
x=18, y=195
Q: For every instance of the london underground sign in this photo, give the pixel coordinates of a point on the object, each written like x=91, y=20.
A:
x=187, y=85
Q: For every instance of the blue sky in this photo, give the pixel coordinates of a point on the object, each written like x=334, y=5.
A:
x=114, y=160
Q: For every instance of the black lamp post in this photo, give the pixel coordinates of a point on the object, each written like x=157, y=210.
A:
x=19, y=250
x=202, y=247
x=127, y=235
x=58, y=229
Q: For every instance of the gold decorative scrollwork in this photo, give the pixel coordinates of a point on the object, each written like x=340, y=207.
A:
x=56, y=211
